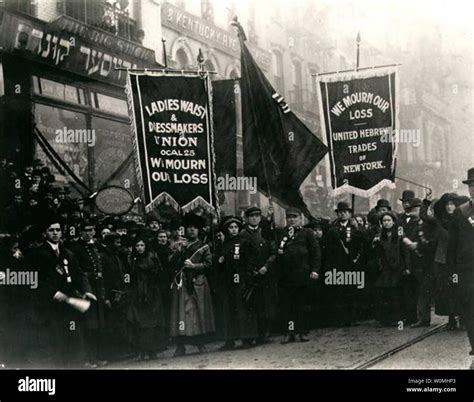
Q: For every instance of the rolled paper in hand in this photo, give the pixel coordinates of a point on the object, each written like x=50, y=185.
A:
x=80, y=305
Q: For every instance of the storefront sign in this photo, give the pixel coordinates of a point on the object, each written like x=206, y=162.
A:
x=72, y=52
x=194, y=27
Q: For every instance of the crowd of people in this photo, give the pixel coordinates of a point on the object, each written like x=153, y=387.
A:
x=110, y=288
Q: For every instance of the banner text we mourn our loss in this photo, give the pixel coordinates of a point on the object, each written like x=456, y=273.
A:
x=181, y=146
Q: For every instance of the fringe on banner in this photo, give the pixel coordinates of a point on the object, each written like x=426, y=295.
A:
x=347, y=76
x=354, y=75
x=364, y=193
x=212, y=153
x=131, y=108
x=160, y=199
x=198, y=202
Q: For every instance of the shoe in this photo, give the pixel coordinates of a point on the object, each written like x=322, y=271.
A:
x=304, y=338
x=229, y=345
x=202, y=349
x=288, y=339
x=180, y=351
x=246, y=344
x=420, y=324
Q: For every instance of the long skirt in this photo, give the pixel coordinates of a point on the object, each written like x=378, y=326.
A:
x=446, y=292
x=388, y=309
x=192, y=312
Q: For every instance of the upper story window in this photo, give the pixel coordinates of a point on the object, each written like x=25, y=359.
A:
x=277, y=70
x=111, y=17
x=182, y=60
x=207, y=10
x=23, y=6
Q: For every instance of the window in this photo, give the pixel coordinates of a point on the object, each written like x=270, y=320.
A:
x=24, y=6
x=66, y=131
x=234, y=74
x=58, y=90
x=277, y=70
x=182, y=60
x=109, y=104
x=297, y=97
x=210, y=66
x=207, y=10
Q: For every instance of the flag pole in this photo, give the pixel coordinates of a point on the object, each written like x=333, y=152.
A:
x=242, y=39
x=165, y=56
x=357, y=69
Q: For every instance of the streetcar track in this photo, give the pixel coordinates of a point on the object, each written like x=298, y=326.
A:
x=385, y=355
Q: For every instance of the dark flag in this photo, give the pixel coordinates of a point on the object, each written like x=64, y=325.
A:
x=279, y=150
x=225, y=127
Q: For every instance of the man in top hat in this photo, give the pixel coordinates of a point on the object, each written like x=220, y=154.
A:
x=60, y=278
x=461, y=257
x=266, y=286
x=344, y=252
x=299, y=263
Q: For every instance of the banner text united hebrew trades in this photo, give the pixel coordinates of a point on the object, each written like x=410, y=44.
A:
x=359, y=118
x=173, y=140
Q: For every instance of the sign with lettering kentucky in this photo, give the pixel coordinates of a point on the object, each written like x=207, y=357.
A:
x=173, y=139
x=359, y=117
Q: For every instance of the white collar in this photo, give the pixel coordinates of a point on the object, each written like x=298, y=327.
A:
x=55, y=247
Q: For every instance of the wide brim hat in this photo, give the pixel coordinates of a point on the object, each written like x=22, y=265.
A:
x=439, y=207
x=470, y=177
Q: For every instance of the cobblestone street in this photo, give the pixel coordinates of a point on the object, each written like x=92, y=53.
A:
x=329, y=348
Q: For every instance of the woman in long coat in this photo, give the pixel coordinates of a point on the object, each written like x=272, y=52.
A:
x=393, y=263
x=446, y=291
x=145, y=312
x=236, y=278
x=192, y=316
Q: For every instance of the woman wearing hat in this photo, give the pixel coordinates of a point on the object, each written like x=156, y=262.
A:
x=461, y=257
x=392, y=264
x=236, y=281
x=192, y=316
x=145, y=312
x=446, y=291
